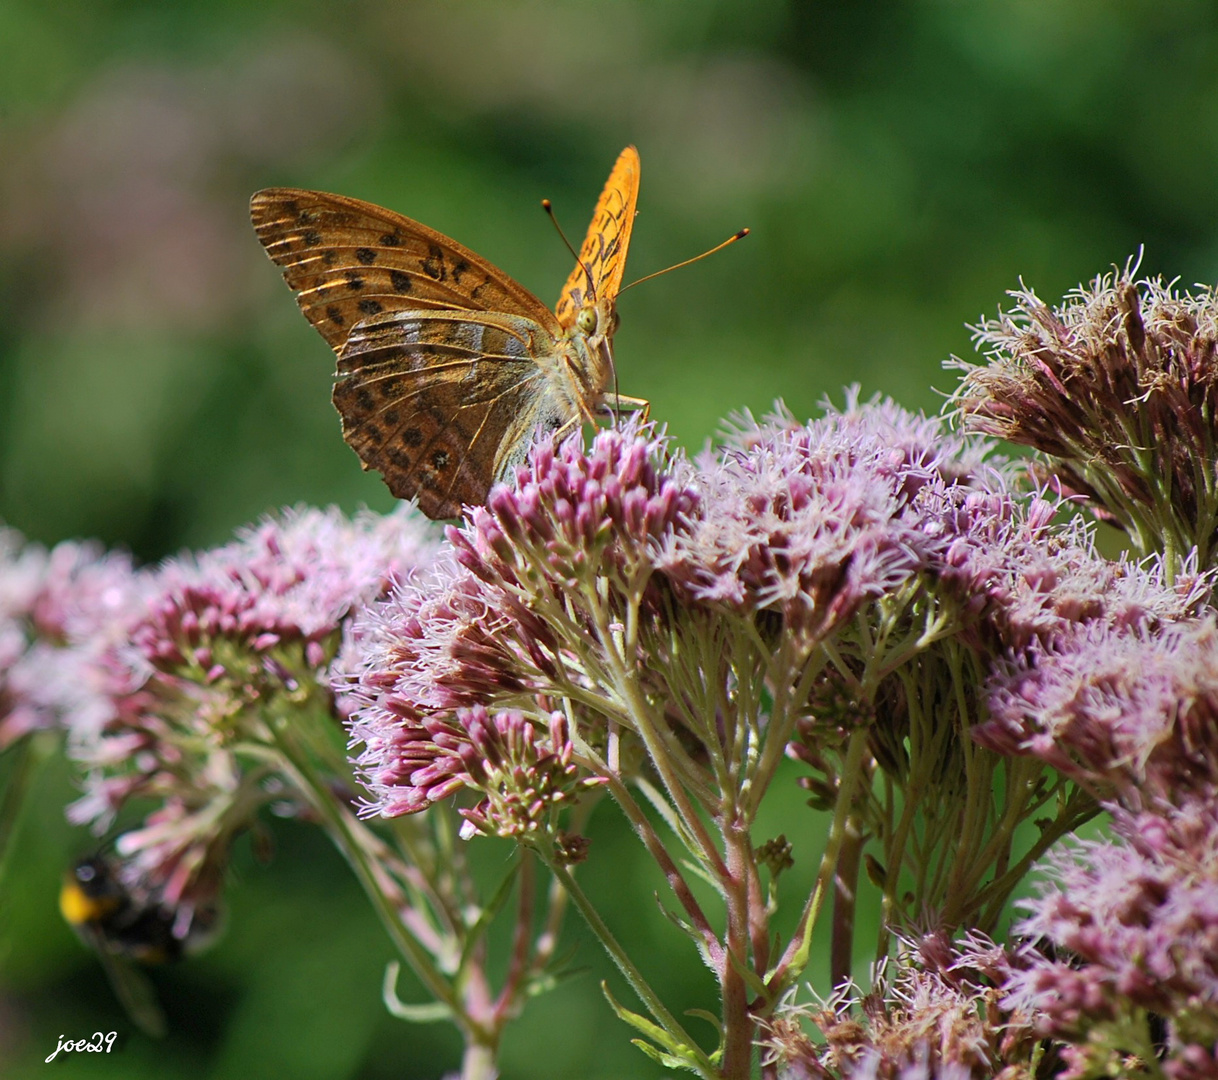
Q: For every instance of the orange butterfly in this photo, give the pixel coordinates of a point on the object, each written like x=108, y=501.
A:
x=446, y=366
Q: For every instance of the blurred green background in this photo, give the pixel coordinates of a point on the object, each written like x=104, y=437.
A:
x=901, y=164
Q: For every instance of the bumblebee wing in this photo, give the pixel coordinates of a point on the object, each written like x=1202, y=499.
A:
x=135, y=993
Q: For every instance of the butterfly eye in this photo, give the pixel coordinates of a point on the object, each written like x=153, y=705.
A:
x=586, y=320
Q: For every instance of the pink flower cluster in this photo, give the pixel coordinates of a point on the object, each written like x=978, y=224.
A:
x=191, y=664
x=59, y=610
x=614, y=563
x=1131, y=713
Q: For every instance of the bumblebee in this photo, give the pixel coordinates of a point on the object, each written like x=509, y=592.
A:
x=126, y=929
x=111, y=920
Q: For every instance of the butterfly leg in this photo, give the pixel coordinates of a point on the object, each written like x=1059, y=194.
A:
x=620, y=404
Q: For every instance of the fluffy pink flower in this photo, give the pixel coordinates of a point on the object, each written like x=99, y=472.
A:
x=58, y=612
x=223, y=644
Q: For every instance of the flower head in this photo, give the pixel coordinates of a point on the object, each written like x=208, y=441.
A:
x=58, y=611
x=811, y=521
x=609, y=578
x=224, y=645
x=1133, y=922
x=1130, y=712
x=1118, y=387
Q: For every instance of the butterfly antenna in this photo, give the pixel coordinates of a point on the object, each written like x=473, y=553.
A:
x=677, y=266
x=548, y=207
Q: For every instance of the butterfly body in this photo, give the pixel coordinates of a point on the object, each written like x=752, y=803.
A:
x=446, y=365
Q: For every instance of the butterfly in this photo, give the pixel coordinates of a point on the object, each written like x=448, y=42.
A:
x=446, y=365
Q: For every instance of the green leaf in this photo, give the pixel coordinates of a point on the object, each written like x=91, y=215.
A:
x=667, y=1060
x=756, y=984
x=687, y=929
x=709, y=1017
x=673, y=1055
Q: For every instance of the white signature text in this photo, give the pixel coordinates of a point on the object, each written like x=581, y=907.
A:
x=93, y=1045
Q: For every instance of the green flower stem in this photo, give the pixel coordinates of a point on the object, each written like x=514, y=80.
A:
x=25, y=761
x=478, y=1062
x=626, y=966
x=656, y=849
x=991, y=900
x=783, y=714
x=627, y=687
x=355, y=842
x=797, y=948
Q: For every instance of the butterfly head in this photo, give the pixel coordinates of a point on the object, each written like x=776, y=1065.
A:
x=598, y=319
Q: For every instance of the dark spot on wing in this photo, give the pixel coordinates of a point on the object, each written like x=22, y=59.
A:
x=334, y=315
x=310, y=238
x=370, y=307
x=400, y=281
x=329, y=256
x=459, y=268
x=473, y=293
x=307, y=217
x=433, y=265
x=354, y=281
x=390, y=239
x=392, y=416
x=412, y=437
x=375, y=434
x=397, y=456
x=365, y=255
x=440, y=459
x=365, y=399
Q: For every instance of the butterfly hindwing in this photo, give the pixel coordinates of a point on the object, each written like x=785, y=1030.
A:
x=349, y=260
x=439, y=402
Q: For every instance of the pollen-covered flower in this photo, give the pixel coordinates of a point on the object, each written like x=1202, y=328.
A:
x=1119, y=387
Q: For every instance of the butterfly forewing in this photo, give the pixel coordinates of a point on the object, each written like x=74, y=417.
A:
x=349, y=260
x=603, y=254
x=438, y=402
